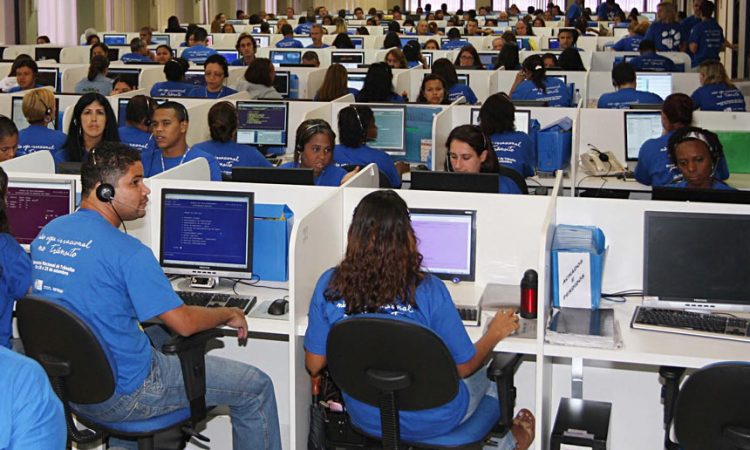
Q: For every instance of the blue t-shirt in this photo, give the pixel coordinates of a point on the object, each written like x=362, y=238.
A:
x=651, y=62
x=137, y=139
x=514, y=150
x=667, y=37
x=100, y=84
x=710, y=37
x=462, y=90
x=718, y=97
x=202, y=91
x=557, y=92
x=573, y=12
x=154, y=163
x=453, y=44
x=303, y=28
x=625, y=97
x=716, y=184
x=689, y=23
x=434, y=310
x=330, y=176
x=31, y=414
x=15, y=280
x=322, y=46
x=628, y=44
x=289, y=42
x=171, y=89
x=197, y=54
x=134, y=58
x=231, y=154
x=607, y=11
x=507, y=186
x=38, y=137
x=108, y=279
x=363, y=155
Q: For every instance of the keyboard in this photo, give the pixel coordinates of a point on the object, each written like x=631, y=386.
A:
x=470, y=315
x=692, y=323
x=213, y=300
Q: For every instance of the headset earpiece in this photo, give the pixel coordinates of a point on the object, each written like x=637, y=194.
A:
x=105, y=192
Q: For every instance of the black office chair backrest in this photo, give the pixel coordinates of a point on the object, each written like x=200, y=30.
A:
x=66, y=348
x=712, y=408
x=516, y=177
x=359, y=344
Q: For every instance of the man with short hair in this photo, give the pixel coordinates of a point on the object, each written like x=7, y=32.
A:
x=624, y=80
x=138, y=52
x=137, y=129
x=198, y=51
x=288, y=40
x=649, y=61
x=113, y=283
x=567, y=37
x=316, y=34
x=310, y=58
x=454, y=40
x=146, y=34
x=359, y=14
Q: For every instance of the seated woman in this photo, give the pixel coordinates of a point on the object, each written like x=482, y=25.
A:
x=216, y=72
x=247, y=47
x=468, y=58
x=396, y=59
x=175, y=86
x=655, y=168
x=121, y=86
x=630, y=43
x=334, y=85
x=222, y=123
x=39, y=108
x=391, y=40
x=314, y=150
x=356, y=127
x=413, y=54
x=101, y=50
x=8, y=143
x=382, y=273
x=513, y=148
x=433, y=90
x=96, y=80
x=447, y=71
x=258, y=80
x=93, y=122
x=342, y=41
x=163, y=54
x=431, y=44
x=470, y=151
x=532, y=83
x=137, y=129
x=697, y=153
x=717, y=93
x=508, y=57
x=378, y=86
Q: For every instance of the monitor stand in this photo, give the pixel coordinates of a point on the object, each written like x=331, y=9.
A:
x=204, y=282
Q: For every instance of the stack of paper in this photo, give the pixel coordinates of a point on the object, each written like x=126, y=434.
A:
x=584, y=327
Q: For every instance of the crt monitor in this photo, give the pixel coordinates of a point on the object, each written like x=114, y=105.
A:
x=640, y=126
x=262, y=123
x=281, y=83
x=16, y=114
x=451, y=259
x=279, y=57
x=230, y=55
x=48, y=76
x=522, y=118
x=115, y=39
x=32, y=203
x=350, y=60
x=262, y=41
x=160, y=39
x=355, y=80
x=656, y=83
x=391, y=123
x=45, y=53
x=195, y=77
x=131, y=75
x=206, y=233
x=359, y=42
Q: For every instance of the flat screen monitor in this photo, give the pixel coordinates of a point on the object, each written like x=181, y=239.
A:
x=262, y=41
x=454, y=181
x=531, y=103
x=262, y=123
x=404, y=40
x=359, y=42
x=256, y=29
x=428, y=56
x=350, y=60
x=554, y=43
x=656, y=83
x=236, y=21
x=160, y=39
x=463, y=78
x=206, y=233
x=561, y=77
x=391, y=123
x=352, y=30
x=443, y=40
x=640, y=126
x=131, y=75
x=305, y=40
x=355, y=80
x=195, y=77
x=48, y=76
x=230, y=55
x=273, y=175
x=651, y=16
x=519, y=42
x=33, y=203
x=450, y=259
x=279, y=57
x=487, y=58
x=678, y=194
x=281, y=83
x=697, y=260
x=522, y=118
x=113, y=54
x=16, y=114
x=45, y=53
x=115, y=39
x=623, y=58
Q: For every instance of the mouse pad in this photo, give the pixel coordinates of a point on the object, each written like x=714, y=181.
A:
x=260, y=311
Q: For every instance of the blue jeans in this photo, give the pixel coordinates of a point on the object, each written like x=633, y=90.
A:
x=479, y=386
x=247, y=391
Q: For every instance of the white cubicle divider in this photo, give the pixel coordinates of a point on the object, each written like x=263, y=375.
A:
x=37, y=162
x=304, y=75
x=11, y=52
x=149, y=76
x=313, y=83
x=401, y=83
x=586, y=56
x=71, y=75
x=442, y=124
x=79, y=54
x=235, y=75
x=368, y=177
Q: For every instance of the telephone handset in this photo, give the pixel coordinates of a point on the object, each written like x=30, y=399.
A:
x=598, y=164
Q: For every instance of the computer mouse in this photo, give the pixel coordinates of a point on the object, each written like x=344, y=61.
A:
x=278, y=307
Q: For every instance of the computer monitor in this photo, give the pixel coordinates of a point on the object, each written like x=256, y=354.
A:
x=531, y=103
x=281, y=83
x=273, y=175
x=230, y=55
x=206, y=233
x=195, y=77
x=428, y=57
x=45, y=53
x=262, y=123
x=487, y=58
x=115, y=39
x=463, y=78
x=131, y=75
x=256, y=29
x=359, y=42
x=16, y=113
x=651, y=16
x=355, y=80
x=695, y=260
x=352, y=30
x=391, y=123
x=279, y=57
x=443, y=40
x=32, y=203
x=350, y=60
x=522, y=118
x=623, y=58
x=640, y=126
x=454, y=181
x=656, y=83
x=553, y=43
x=559, y=76
x=160, y=39
x=209, y=40
x=404, y=40
x=262, y=41
x=48, y=76
x=679, y=194
x=451, y=258
x=113, y=54
x=305, y=40
x=236, y=21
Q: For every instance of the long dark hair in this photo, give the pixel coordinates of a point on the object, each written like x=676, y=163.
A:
x=98, y=65
x=535, y=66
x=382, y=265
x=378, y=86
x=4, y=221
x=508, y=57
x=354, y=121
x=447, y=71
x=74, y=143
x=222, y=121
x=479, y=142
x=497, y=114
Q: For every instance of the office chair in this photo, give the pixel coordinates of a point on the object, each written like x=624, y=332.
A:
x=710, y=410
x=515, y=177
x=80, y=373
x=372, y=359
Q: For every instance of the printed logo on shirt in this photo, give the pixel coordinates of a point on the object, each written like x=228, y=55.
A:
x=671, y=38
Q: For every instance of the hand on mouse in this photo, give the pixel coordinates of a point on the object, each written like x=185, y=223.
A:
x=237, y=320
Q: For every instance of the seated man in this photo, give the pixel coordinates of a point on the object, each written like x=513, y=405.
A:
x=568, y=37
x=649, y=61
x=288, y=41
x=138, y=52
x=623, y=79
x=113, y=283
x=198, y=51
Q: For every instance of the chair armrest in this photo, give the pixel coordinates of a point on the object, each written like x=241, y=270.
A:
x=178, y=344
x=672, y=377
x=501, y=370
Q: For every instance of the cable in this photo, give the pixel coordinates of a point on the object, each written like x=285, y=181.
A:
x=118, y=216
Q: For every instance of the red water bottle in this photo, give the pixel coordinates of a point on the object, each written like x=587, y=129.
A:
x=529, y=294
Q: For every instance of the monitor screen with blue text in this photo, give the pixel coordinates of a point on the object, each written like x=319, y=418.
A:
x=262, y=123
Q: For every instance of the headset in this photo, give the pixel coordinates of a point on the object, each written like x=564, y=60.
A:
x=47, y=108
x=363, y=131
x=323, y=127
x=711, y=141
x=105, y=193
x=603, y=157
x=485, y=148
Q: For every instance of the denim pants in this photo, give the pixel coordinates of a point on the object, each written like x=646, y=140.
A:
x=247, y=391
x=479, y=386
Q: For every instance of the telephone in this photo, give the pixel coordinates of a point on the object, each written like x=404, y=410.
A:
x=600, y=164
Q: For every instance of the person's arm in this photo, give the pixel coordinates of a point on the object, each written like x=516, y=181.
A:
x=693, y=47
x=519, y=78
x=503, y=324
x=187, y=320
x=314, y=363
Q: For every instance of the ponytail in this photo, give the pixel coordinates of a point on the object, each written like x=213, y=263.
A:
x=535, y=66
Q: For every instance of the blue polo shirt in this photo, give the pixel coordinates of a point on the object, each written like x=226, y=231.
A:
x=689, y=23
x=556, y=92
x=289, y=42
x=38, y=137
x=667, y=37
x=197, y=54
x=623, y=98
x=137, y=139
x=651, y=62
x=462, y=90
x=710, y=37
x=363, y=155
x=718, y=97
x=514, y=150
x=152, y=162
x=330, y=176
x=231, y=154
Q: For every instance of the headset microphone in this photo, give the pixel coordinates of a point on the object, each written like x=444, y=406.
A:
x=603, y=157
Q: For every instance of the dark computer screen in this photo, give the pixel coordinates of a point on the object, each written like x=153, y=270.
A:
x=391, y=123
x=451, y=259
x=463, y=78
x=427, y=58
x=113, y=54
x=195, y=77
x=45, y=53
x=640, y=126
x=262, y=123
x=561, y=77
x=355, y=80
x=206, y=233
x=678, y=194
x=16, y=114
x=454, y=181
x=531, y=103
x=281, y=83
x=33, y=203
x=47, y=76
x=160, y=39
x=115, y=39
x=350, y=60
x=273, y=175
x=279, y=57
x=131, y=75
